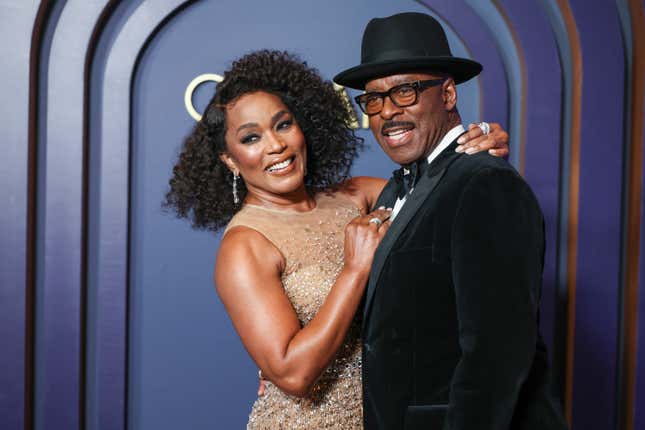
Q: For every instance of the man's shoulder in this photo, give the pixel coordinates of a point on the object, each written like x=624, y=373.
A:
x=482, y=171
x=487, y=176
x=467, y=167
x=471, y=164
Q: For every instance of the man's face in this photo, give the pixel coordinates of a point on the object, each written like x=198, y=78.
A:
x=409, y=133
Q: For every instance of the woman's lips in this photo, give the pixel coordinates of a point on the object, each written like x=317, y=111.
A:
x=283, y=167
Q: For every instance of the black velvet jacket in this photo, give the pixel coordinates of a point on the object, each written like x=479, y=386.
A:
x=450, y=325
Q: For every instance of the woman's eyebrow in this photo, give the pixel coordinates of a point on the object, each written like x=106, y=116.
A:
x=247, y=125
x=277, y=116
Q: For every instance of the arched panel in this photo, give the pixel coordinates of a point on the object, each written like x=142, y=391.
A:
x=512, y=55
x=17, y=21
x=598, y=265
x=632, y=186
x=566, y=36
x=105, y=388
x=59, y=287
x=632, y=374
x=543, y=141
x=639, y=395
x=109, y=206
x=493, y=79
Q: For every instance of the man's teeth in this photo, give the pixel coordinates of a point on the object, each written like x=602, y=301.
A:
x=397, y=135
x=396, y=132
x=282, y=165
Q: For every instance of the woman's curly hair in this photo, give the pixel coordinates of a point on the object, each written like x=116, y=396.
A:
x=200, y=187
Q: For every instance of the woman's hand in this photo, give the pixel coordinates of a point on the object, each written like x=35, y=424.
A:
x=474, y=140
x=362, y=236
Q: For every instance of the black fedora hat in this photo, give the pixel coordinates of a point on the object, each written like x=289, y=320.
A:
x=405, y=42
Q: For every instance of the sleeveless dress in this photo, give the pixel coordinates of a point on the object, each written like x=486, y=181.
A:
x=312, y=245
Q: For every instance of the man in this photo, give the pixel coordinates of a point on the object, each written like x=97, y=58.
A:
x=450, y=325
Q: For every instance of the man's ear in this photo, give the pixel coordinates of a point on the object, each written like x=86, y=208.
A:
x=449, y=94
x=230, y=163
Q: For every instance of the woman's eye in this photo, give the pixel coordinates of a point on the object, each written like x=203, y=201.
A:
x=250, y=138
x=283, y=125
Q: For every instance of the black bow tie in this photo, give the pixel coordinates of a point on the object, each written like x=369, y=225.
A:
x=408, y=176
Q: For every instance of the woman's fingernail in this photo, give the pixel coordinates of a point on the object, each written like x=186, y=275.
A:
x=459, y=148
x=460, y=140
x=381, y=207
x=389, y=209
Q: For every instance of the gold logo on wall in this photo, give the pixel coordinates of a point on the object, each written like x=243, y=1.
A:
x=190, y=89
x=212, y=77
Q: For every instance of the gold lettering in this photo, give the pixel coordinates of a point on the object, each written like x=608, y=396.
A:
x=340, y=90
x=190, y=89
x=365, y=120
x=212, y=77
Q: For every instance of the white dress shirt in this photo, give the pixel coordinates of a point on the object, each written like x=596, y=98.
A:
x=443, y=144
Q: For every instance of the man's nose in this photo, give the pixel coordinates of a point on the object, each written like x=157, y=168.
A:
x=389, y=109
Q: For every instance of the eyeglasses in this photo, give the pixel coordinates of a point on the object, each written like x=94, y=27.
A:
x=401, y=95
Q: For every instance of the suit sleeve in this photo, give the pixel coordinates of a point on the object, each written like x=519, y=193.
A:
x=497, y=259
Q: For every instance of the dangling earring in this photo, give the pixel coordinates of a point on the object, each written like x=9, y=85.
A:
x=236, y=199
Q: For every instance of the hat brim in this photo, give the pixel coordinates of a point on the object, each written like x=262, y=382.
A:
x=461, y=69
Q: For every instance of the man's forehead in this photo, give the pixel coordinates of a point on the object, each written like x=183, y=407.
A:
x=385, y=82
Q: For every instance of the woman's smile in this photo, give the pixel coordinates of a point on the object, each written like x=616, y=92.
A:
x=266, y=147
x=282, y=167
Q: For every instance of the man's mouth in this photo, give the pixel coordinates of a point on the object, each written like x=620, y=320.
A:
x=397, y=134
x=281, y=165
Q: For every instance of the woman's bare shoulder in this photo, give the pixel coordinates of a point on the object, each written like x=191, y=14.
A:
x=363, y=190
x=244, y=248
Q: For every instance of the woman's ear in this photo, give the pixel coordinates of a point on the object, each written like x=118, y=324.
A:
x=230, y=163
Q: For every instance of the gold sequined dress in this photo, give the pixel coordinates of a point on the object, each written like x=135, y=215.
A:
x=312, y=245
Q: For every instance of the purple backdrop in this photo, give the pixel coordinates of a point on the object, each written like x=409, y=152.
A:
x=107, y=308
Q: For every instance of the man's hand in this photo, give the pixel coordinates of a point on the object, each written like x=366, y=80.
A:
x=474, y=140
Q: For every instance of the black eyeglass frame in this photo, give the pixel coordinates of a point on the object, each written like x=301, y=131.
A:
x=417, y=86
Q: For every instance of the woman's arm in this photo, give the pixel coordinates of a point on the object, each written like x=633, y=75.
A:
x=247, y=277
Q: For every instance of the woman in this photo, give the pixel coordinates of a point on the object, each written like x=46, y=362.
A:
x=270, y=158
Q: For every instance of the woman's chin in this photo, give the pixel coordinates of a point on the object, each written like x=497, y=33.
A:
x=287, y=183
x=285, y=186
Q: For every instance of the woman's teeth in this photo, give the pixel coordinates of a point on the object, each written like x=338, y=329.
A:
x=280, y=166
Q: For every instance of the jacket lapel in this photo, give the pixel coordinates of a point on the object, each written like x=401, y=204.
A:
x=387, y=197
x=414, y=201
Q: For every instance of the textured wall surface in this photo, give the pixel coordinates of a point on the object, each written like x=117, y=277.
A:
x=108, y=315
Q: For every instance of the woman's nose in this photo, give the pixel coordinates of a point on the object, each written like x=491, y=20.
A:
x=276, y=143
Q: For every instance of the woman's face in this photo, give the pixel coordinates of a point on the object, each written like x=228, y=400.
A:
x=265, y=146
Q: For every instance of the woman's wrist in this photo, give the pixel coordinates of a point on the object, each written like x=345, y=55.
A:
x=356, y=274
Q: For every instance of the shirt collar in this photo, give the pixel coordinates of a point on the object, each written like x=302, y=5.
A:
x=447, y=139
